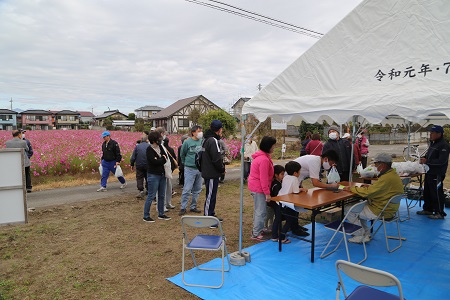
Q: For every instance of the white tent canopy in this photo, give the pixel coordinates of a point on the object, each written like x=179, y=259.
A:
x=386, y=57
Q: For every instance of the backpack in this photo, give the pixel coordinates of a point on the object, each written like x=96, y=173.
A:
x=199, y=155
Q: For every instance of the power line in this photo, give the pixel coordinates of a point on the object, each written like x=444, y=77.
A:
x=258, y=18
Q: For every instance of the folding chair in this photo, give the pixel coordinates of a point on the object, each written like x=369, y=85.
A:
x=205, y=242
x=406, y=181
x=395, y=219
x=346, y=228
x=369, y=277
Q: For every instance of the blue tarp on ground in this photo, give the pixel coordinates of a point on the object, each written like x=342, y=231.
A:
x=421, y=264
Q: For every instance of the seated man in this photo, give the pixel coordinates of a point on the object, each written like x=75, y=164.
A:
x=378, y=194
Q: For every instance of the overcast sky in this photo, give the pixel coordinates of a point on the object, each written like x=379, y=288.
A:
x=95, y=55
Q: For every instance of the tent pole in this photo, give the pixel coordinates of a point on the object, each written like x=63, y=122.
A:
x=350, y=174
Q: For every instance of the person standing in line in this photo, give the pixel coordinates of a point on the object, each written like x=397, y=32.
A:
x=156, y=178
x=212, y=166
x=437, y=160
x=169, y=190
x=139, y=157
x=18, y=142
x=315, y=146
x=342, y=148
x=192, y=176
x=27, y=169
x=250, y=148
x=259, y=181
x=356, y=149
x=180, y=163
x=305, y=143
x=223, y=152
x=111, y=158
x=363, y=144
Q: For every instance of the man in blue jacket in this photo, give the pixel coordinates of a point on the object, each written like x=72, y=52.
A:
x=437, y=159
x=139, y=158
x=212, y=165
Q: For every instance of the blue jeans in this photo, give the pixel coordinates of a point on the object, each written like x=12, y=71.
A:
x=156, y=183
x=192, y=184
x=259, y=213
x=109, y=166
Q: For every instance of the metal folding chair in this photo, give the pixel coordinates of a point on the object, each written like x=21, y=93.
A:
x=204, y=242
x=369, y=277
x=346, y=228
x=395, y=219
x=405, y=182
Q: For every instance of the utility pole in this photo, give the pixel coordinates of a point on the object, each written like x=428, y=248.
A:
x=259, y=87
x=11, y=102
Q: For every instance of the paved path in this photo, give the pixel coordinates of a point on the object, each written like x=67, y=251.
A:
x=89, y=192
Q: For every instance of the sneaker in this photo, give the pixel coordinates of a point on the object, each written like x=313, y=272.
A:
x=122, y=186
x=195, y=210
x=28, y=190
x=424, y=213
x=140, y=195
x=102, y=189
x=148, y=220
x=166, y=209
x=358, y=239
x=436, y=216
x=164, y=217
x=171, y=206
x=300, y=232
x=259, y=238
x=182, y=212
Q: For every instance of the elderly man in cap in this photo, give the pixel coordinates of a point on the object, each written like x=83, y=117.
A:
x=111, y=158
x=378, y=194
x=18, y=142
x=437, y=159
x=212, y=165
x=343, y=148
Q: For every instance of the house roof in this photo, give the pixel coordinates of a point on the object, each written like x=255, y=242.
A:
x=86, y=114
x=172, y=109
x=36, y=112
x=7, y=111
x=67, y=112
x=240, y=99
x=149, y=108
x=109, y=113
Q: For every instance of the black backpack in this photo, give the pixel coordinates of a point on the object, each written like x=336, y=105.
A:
x=199, y=155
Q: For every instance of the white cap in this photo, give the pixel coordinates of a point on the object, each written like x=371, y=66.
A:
x=152, y=129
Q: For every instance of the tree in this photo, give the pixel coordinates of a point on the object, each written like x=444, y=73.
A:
x=131, y=116
x=139, y=125
x=229, y=123
x=313, y=128
x=108, y=123
x=194, y=116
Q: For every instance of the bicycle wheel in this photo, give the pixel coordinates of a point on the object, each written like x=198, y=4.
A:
x=413, y=153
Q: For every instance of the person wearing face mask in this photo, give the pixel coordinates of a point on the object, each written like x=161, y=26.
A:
x=388, y=185
x=192, y=176
x=343, y=148
x=311, y=164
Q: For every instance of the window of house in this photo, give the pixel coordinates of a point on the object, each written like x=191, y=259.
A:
x=72, y=118
x=145, y=113
x=5, y=117
x=183, y=123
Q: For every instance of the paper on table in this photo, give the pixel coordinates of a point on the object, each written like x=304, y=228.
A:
x=293, y=207
x=341, y=187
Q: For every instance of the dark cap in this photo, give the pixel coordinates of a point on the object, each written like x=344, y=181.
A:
x=333, y=127
x=437, y=128
x=16, y=133
x=216, y=125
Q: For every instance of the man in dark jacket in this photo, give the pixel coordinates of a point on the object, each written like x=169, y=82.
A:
x=27, y=169
x=212, y=165
x=343, y=148
x=437, y=160
x=111, y=158
x=139, y=158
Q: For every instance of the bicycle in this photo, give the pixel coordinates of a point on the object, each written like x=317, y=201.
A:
x=411, y=153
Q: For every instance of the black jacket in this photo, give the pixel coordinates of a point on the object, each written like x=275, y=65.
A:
x=212, y=162
x=437, y=157
x=111, y=151
x=155, y=164
x=344, y=150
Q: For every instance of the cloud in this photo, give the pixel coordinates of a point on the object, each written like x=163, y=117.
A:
x=126, y=54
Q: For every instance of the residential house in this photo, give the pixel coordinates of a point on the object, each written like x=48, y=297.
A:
x=67, y=119
x=237, y=107
x=36, y=119
x=145, y=112
x=86, y=117
x=114, y=114
x=176, y=116
x=8, y=119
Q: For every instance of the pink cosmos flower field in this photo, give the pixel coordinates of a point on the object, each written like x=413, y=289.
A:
x=59, y=152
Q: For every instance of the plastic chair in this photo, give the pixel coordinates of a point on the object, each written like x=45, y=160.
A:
x=205, y=242
x=346, y=228
x=394, y=200
x=370, y=277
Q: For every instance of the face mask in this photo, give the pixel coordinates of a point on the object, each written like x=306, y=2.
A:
x=200, y=135
x=359, y=136
x=326, y=165
x=333, y=135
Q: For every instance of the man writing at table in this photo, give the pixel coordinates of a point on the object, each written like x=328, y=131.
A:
x=378, y=194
